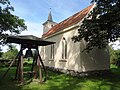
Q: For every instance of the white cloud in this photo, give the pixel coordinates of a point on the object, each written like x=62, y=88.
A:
x=33, y=29
x=115, y=45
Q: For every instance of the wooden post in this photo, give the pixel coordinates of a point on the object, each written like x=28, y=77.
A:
x=22, y=79
x=35, y=69
x=40, y=71
x=17, y=70
x=42, y=65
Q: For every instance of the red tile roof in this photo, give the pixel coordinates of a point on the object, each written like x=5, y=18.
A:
x=69, y=21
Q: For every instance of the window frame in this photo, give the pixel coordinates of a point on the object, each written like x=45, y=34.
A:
x=64, y=48
x=52, y=51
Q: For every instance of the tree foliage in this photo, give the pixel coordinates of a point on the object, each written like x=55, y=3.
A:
x=9, y=24
x=114, y=56
x=1, y=53
x=101, y=26
x=11, y=53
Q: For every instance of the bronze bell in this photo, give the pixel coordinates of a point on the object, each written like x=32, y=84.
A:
x=28, y=54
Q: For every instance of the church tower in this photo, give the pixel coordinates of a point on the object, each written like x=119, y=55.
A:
x=48, y=24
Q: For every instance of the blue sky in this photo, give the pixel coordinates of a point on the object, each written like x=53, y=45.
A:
x=35, y=12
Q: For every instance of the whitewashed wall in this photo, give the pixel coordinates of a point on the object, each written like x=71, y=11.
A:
x=76, y=59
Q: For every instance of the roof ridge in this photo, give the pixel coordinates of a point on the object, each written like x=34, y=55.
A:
x=73, y=19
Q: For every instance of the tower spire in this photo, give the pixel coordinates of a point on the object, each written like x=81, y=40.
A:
x=50, y=16
x=49, y=23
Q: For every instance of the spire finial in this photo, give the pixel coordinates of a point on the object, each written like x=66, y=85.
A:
x=50, y=16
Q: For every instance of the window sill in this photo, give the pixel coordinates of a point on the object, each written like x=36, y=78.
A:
x=51, y=60
x=63, y=60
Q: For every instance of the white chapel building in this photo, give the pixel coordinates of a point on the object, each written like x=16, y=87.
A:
x=66, y=55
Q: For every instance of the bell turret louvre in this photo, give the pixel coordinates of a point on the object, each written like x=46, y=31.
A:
x=48, y=24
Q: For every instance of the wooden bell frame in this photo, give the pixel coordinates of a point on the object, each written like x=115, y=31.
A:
x=37, y=61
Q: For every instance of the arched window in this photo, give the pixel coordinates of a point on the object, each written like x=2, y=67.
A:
x=64, y=48
x=52, y=52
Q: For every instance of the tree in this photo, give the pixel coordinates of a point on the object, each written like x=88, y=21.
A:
x=11, y=53
x=1, y=53
x=9, y=24
x=102, y=25
x=114, y=54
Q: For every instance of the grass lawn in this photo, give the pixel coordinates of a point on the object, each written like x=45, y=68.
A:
x=64, y=82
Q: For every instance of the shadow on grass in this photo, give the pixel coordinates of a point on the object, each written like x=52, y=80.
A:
x=7, y=83
x=57, y=81
x=65, y=82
